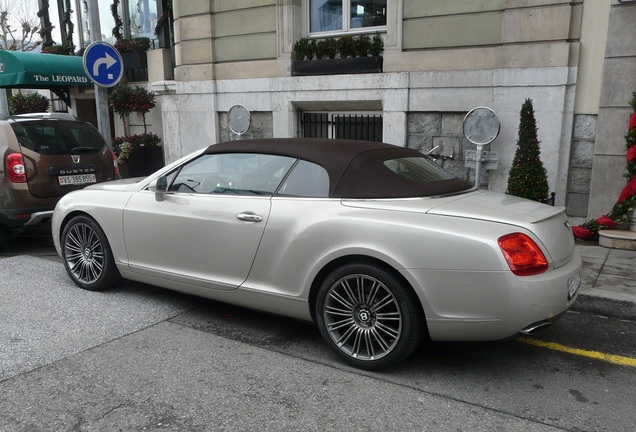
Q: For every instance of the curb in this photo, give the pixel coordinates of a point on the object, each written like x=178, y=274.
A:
x=618, y=308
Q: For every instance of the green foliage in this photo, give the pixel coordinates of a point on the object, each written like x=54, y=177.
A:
x=124, y=146
x=56, y=49
x=326, y=48
x=124, y=100
x=301, y=49
x=136, y=44
x=621, y=211
x=361, y=46
x=528, y=177
x=28, y=103
x=377, y=45
x=344, y=46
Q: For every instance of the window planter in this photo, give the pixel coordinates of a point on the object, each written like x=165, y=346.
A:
x=135, y=65
x=349, y=65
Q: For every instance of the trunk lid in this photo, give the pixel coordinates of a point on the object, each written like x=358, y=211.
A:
x=549, y=224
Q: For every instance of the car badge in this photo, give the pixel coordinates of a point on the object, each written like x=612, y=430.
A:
x=76, y=158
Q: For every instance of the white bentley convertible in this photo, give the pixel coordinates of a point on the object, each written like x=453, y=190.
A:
x=377, y=244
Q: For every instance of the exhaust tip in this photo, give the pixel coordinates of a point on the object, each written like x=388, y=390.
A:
x=535, y=328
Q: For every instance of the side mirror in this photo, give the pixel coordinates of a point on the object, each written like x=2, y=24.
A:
x=159, y=187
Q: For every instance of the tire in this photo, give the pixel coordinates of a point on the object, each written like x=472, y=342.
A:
x=3, y=236
x=368, y=317
x=87, y=256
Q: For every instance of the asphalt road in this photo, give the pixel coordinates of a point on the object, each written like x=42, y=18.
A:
x=141, y=358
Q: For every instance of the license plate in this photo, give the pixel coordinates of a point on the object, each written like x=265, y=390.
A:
x=76, y=179
x=573, y=286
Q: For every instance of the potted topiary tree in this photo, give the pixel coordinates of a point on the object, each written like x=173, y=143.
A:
x=137, y=154
x=527, y=177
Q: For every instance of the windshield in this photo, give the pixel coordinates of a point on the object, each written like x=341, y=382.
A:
x=58, y=137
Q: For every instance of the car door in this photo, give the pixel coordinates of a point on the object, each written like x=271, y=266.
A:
x=207, y=230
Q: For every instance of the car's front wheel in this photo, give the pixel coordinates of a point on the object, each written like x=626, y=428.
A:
x=368, y=316
x=87, y=256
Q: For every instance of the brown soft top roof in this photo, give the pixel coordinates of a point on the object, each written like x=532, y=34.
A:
x=356, y=168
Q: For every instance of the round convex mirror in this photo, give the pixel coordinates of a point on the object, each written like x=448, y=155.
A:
x=481, y=126
x=239, y=119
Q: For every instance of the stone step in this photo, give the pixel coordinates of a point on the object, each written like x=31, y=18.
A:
x=617, y=239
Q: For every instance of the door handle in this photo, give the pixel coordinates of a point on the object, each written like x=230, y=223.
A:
x=249, y=217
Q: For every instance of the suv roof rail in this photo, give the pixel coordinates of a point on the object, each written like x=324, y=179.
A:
x=51, y=115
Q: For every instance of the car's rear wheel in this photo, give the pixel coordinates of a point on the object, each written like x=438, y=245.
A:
x=368, y=316
x=87, y=256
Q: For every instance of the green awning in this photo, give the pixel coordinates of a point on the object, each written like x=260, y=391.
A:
x=41, y=71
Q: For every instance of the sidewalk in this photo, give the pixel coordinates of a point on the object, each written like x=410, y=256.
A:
x=608, y=281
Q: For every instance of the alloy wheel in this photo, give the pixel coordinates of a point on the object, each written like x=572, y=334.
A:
x=84, y=253
x=363, y=317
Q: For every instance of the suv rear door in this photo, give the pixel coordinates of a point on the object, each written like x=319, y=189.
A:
x=62, y=155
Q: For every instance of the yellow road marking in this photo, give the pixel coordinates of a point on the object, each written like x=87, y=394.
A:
x=611, y=358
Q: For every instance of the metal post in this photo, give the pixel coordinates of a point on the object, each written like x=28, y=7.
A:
x=478, y=160
x=101, y=93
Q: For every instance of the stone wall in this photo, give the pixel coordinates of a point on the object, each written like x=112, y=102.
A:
x=262, y=126
x=580, y=172
x=425, y=130
x=618, y=83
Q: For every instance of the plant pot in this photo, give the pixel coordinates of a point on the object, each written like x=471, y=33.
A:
x=135, y=60
x=142, y=162
x=135, y=65
x=349, y=65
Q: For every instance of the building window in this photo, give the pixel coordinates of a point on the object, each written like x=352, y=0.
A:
x=366, y=127
x=340, y=16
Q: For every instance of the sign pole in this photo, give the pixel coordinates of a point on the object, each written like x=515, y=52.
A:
x=101, y=93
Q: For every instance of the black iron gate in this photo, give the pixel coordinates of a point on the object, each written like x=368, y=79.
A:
x=367, y=127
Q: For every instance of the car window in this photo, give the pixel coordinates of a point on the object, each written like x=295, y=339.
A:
x=306, y=180
x=58, y=137
x=232, y=173
x=418, y=169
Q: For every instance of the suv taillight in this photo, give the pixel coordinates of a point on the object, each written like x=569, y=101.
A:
x=15, y=168
x=112, y=153
x=523, y=255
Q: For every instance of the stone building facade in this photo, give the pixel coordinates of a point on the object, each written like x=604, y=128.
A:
x=575, y=60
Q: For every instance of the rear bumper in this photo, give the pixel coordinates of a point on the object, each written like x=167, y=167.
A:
x=26, y=217
x=492, y=305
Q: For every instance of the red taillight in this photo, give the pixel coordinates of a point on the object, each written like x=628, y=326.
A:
x=112, y=153
x=523, y=255
x=15, y=168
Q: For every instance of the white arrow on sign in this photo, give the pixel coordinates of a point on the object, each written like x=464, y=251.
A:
x=108, y=60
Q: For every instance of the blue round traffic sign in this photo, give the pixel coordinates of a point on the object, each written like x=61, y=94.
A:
x=103, y=64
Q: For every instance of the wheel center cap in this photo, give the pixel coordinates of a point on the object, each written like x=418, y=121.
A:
x=364, y=315
x=88, y=254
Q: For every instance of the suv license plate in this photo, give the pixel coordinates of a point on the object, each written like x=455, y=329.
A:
x=76, y=179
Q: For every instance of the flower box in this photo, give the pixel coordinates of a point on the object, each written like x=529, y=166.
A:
x=338, y=66
x=142, y=162
x=135, y=65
